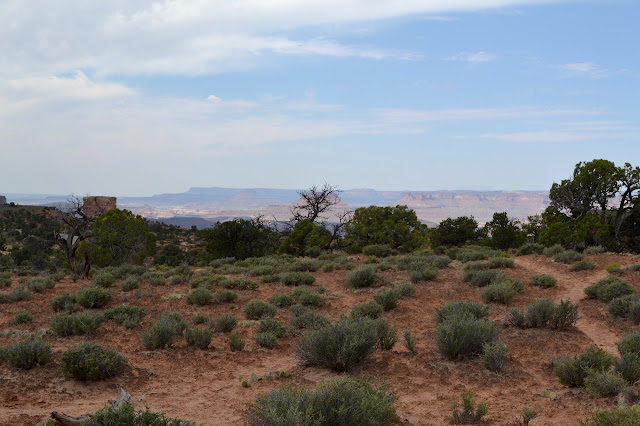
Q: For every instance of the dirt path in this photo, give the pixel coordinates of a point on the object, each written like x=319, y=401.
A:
x=571, y=286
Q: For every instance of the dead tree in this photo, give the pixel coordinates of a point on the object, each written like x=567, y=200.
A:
x=344, y=217
x=75, y=227
x=314, y=202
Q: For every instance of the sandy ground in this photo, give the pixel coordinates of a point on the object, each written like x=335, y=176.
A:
x=203, y=385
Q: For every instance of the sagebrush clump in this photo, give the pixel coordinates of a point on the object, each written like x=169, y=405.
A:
x=341, y=345
x=165, y=332
x=89, y=361
x=28, y=354
x=343, y=401
x=364, y=276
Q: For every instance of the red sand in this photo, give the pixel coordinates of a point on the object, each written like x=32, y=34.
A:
x=203, y=385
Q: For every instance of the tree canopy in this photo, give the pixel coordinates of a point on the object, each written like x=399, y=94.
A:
x=119, y=236
x=397, y=227
x=239, y=238
x=456, y=232
x=598, y=204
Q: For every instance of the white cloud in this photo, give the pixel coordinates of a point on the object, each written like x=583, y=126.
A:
x=589, y=69
x=416, y=116
x=77, y=87
x=472, y=57
x=542, y=136
x=194, y=36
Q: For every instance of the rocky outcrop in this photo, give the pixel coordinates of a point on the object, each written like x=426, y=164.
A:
x=95, y=206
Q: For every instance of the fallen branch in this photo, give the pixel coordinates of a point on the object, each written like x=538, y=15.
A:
x=65, y=420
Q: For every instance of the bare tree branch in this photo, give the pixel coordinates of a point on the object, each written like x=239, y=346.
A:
x=314, y=202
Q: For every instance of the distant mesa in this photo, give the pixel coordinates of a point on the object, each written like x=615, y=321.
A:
x=95, y=206
x=3, y=199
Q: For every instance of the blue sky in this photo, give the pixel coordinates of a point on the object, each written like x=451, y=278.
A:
x=140, y=97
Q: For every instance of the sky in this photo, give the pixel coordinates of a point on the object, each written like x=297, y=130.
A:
x=141, y=97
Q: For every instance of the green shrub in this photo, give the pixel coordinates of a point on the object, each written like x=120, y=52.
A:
x=481, y=278
x=462, y=335
x=40, y=284
x=199, y=296
x=378, y=250
x=103, y=278
x=543, y=280
x=77, y=323
x=565, y=314
x=623, y=305
x=500, y=262
x=621, y=415
x=478, y=265
x=267, y=340
x=89, y=361
x=388, y=299
x=305, y=265
x=628, y=367
x=503, y=291
x=200, y=337
x=530, y=248
x=553, y=250
x=128, y=415
x=572, y=372
x=270, y=325
x=127, y=269
x=458, y=308
x=130, y=283
x=305, y=318
x=199, y=318
x=226, y=296
x=225, y=323
x=297, y=278
x=239, y=284
x=604, y=383
x=341, y=345
x=5, y=279
x=270, y=278
x=165, y=332
x=467, y=411
x=236, y=342
x=568, y=257
x=494, y=356
x=608, y=289
x=614, y=268
x=129, y=316
x=539, y=313
x=364, y=276
x=387, y=335
x=313, y=251
x=156, y=279
x=281, y=300
x=204, y=281
x=18, y=294
x=630, y=345
x=404, y=289
x=594, y=250
x=423, y=273
x=410, y=342
x=22, y=317
x=28, y=354
x=371, y=309
x=306, y=297
x=65, y=302
x=343, y=401
x=582, y=265
x=93, y=297
x=257, y=309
